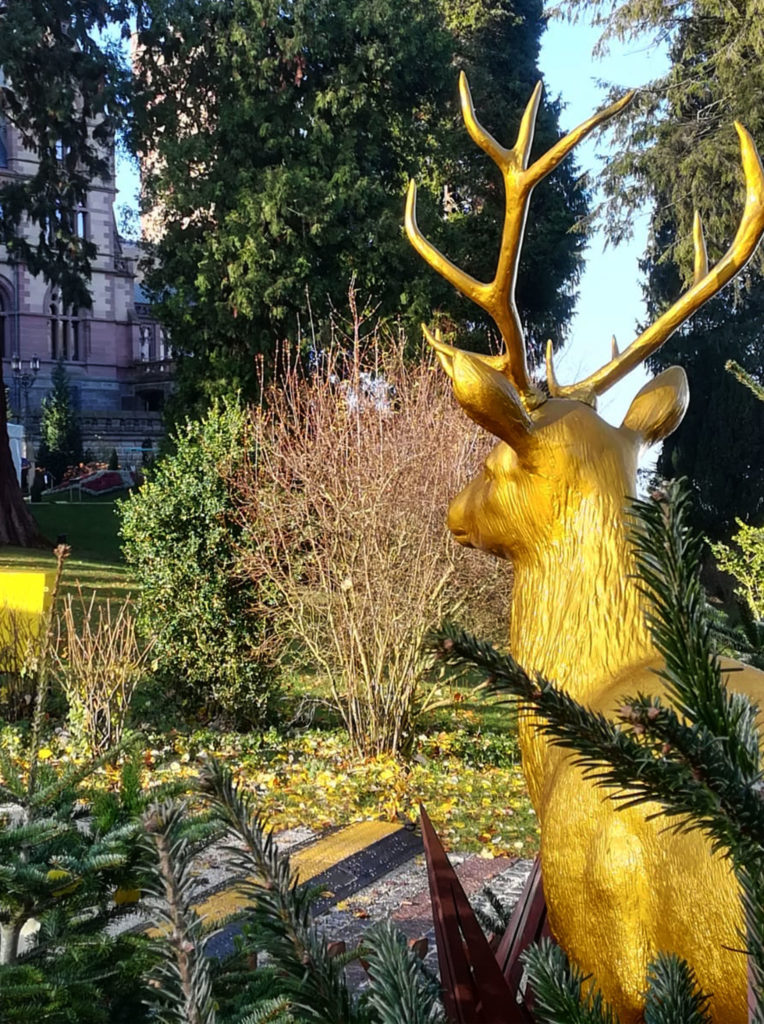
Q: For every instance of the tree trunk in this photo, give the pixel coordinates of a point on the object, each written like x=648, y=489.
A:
x=17, y=525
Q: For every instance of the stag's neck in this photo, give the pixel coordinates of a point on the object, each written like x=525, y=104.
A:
x=577, y=616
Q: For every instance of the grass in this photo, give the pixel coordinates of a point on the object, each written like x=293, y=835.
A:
x=464, y=768
x=96, y=562
x=90, y=527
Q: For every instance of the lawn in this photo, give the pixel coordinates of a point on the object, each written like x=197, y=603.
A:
x=90, y=528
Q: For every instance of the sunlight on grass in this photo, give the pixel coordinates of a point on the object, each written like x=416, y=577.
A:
x=313, y=779
x=96, y=562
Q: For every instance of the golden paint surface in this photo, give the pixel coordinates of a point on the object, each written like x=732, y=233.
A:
x=551, y=497
x=619, y=888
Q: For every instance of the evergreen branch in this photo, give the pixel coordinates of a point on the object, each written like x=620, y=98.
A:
x=73, y=775
x=494, y=917
x=722, y=802
x=94, y=861
x=745, y=378
x=673, y=994
x=706, y=773
x=744, y=641
x=12, y=789
x=634, y=762
x=698, y=759
x=752, y=885
x=87, y=923
x=669, y=556
x=78, y=981
x=187, y=993
x=400, y=987
x=752, y=629
x=31, y=833
x=558, y=989
x=274, y=1011
x=280, y=909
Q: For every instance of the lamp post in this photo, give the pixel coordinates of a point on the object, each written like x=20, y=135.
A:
x=23, y=381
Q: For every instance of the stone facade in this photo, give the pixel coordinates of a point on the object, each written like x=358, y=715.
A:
x=117, y=357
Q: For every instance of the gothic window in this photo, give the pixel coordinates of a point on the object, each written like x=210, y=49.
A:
x=62, y=150
x=146, y=335
x=64, y=221
x=64, y=332
x=53, y=331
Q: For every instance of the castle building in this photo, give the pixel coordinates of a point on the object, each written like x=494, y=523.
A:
x=117, y=357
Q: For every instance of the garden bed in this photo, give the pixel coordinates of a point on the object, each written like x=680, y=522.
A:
x=471, y=783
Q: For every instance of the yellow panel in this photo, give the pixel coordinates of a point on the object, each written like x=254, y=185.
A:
x=26, y=591
x=24, y=599
x=313, y=860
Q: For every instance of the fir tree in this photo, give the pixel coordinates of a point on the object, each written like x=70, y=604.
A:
x=61, y=437
x=744, y=377
x=303, y=979
x=675, y=151
x=721, y=438
x=65, y=856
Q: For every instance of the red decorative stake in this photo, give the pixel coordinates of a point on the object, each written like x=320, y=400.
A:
x=479, y=987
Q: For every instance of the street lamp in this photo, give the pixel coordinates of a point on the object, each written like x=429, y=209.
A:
x=23, y=381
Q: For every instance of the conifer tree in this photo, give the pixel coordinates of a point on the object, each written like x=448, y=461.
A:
x=313, y=117
x=64, y=854
x=675, y=151
x=61, y=437
x=302, y=979
x=65, y=91
x=744, y=377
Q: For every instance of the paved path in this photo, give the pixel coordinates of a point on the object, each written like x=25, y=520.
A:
x=367, y=872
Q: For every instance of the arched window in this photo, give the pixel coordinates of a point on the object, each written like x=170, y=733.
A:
x=64, y=332
x=74, y=329
x=146, y=337
x=3, y=323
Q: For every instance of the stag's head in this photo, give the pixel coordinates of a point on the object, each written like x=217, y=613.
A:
x=553, y=450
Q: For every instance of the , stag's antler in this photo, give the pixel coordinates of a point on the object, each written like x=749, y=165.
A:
x=497, y=298
x=706, y=284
